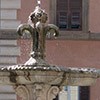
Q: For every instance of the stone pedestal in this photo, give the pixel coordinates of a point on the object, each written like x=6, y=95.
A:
x=37, y=92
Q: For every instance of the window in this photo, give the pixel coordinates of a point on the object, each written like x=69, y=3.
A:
x=69, y=14
x=84, y=92
x=68, y=93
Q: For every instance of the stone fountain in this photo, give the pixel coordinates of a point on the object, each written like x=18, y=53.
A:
x=37, y=79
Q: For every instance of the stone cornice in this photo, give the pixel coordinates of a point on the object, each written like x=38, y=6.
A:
x=78, y=36
x=11, y=34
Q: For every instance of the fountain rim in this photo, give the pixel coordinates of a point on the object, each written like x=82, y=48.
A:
x=72, y=70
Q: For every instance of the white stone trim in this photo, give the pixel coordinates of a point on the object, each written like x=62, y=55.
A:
x=63, y=95
x=11, y=4
x=8, y=60
x=5, y=65
x=70, y=94
x=7, y=93
x=9, y=24
x=74, y=92
x=8, y=14
x=8, y=42
x=9, y=51
x=6, y=88
x=7, y=96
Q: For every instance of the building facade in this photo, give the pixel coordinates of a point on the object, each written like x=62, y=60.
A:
x=78, y=44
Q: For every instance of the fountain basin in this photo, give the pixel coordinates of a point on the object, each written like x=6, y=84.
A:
x=51, y=75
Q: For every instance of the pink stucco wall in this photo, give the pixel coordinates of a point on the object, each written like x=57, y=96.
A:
x=69, y=53
x=95, y=91
x=28, y=6
x=94, y=16
x=74, y=53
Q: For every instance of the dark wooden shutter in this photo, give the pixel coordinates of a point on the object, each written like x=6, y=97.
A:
x=76, y=14
x=62, y=14
x=84, y=93
x=69, y=14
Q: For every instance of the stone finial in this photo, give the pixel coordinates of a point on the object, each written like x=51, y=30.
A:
x=38, y=2
x=38, y=29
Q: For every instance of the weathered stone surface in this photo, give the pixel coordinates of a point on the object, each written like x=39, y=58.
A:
x=48, y=75
x=39, y=92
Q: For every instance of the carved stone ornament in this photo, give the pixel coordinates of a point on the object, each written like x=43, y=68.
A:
x=52, y=93
x=38, y=30
x=45, y=92
x=23, y=92
x=37, y=92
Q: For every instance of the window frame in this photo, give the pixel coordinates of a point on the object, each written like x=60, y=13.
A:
x=66, y=15
x=85, y=14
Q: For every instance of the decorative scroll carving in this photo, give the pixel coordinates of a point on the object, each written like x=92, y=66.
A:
x=44, y=92
x=23, y=92
x=37, y=92
x=52, y=93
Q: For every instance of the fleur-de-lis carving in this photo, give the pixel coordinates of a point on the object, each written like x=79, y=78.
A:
x=38, y=30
